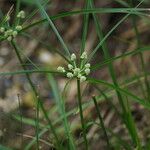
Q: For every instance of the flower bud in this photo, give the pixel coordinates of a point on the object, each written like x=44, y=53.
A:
x=70, y=67
x=9, y=38
x=73, y=57
x=87, y=65
x=69, y=75
x=21, y=14
x=18, y=28
x=79, y=75
x=76, y=71
x=14, y=33
x=82, y=78
x=2, y=29
x=84, y=55
x=87, y=71
x=61, y=69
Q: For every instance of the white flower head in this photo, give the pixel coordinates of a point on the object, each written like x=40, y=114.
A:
x=82, y=78
x=73, y=57
x=9, y=38
x=61, y=69
x=84, y=55
x=79, y=75
x=2, y=29
x=70, y=67
x=14, y=33
x=21, y=14
x=87, y=65
x=87, y=71
x=18, y=27
x=8, y=32
x=76, y=71
x=69, y=75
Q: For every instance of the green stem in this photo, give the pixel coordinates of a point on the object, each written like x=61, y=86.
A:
x=19, y=102
x=140, y=53
x=16, y=20
x=37, y=125
x=102, y=123
x=81, y=114
x=13, y=43
x=85, y=28
x=112, y=71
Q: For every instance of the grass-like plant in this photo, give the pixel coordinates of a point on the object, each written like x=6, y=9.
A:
x=79, y=68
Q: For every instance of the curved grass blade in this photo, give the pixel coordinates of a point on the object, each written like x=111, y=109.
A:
x=136, y=11
x=101, y=98
x=123, y=91
x=102, y=122
x=106, y=62
x=53, y=27
x=85, y=27
x=61, y=108
x=37, y=98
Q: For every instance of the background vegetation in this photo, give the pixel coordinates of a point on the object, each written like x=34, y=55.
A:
x=41, y=108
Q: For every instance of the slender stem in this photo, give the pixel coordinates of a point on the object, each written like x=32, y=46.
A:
x=37, y=96
x=101, y=122
x=19, y=103
x=140, y=53
x=37, y=124
x=81, y=114
x=131, y=125
x=53, y=28
x=85, y=28
x=16, y=20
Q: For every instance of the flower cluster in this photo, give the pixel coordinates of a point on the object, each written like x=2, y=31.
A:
x=73, y=70
x=21, y=14
x=8, y=32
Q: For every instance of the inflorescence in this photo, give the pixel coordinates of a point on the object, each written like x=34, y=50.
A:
x=11, y=32
x=73, y=71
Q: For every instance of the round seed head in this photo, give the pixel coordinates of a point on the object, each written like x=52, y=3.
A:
x=9, y=38
x=69, y=75
x=8, y=32
x=21, y=14
x=18, y=28
x=82, y=78
x=87, y=65
x=73, y=57
x=79, y=75
x=87, y=71
x=61, y=69
x=2, y=29
x=76, y=71
x=14, y=33
x=84, y=55
x=70, y=67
